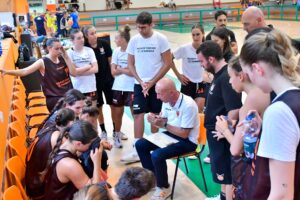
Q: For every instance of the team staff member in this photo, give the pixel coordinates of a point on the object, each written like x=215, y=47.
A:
x=84, y=59
x=149, y=59
x=54, y=69
x=221, y=22
x=104, y=78
x=179, y=116
x=221, y=100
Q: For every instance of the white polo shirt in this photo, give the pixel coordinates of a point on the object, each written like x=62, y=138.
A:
x=85, y=83
x=191, y=66
x=183, y=114
x=147, y=54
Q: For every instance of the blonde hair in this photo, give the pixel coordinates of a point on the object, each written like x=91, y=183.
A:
x=274, y=48
x=97, y=191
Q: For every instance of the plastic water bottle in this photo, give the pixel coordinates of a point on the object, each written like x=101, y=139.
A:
x=250, y=127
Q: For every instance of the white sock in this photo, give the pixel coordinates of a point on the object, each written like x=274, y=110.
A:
x=134, y=141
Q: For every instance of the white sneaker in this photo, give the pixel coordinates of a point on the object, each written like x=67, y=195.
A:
x=206, y=160
x=193, y=157
x=161, y=193
x=117, y=140
x=123, y=136
x=131, y=157
x=103, y=135
x=213, y=198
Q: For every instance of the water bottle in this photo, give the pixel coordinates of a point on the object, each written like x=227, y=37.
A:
x=250, y=126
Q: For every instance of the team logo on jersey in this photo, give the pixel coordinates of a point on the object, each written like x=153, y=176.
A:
x=102, y=50
x=211, y=88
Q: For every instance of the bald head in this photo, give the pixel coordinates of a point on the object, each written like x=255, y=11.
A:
x=165, y=84
x=253, y=18
x=166, y=90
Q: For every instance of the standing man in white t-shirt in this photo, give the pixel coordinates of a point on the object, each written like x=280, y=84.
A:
x=149, y=59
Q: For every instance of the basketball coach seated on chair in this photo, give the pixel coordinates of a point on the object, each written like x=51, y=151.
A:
x=179, y=117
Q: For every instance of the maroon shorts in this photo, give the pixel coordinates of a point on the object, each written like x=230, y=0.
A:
x=122, y=98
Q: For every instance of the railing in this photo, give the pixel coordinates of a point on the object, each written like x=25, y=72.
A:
x=180, y=18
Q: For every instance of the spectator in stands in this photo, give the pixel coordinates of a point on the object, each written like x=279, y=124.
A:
x=172, y=5
x=127, y=3
x=104, y=78
x=217, y=4
x=39, y=151
x=191, y=78
x=64, y=24
x=40, y=25
x=61, y=182
x=54, y=70
x=59, y=15
x=123, y=84
x=75, y=18
x=221, y=22
x=244, y=3
x=134, y=183
x=273, y=64
x=179, y=116
x=221, y=37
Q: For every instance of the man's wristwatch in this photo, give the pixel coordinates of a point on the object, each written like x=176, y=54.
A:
x=165, y=125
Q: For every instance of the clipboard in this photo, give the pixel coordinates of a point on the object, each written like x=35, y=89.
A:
x=161, y=140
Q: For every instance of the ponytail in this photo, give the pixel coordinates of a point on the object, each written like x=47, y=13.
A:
x=62, y=135
x=125, y=33
x=276, y=49
x=60, y=104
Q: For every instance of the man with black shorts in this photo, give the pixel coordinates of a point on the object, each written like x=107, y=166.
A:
x=221, y=100
x=221, y=22
x=149, y=59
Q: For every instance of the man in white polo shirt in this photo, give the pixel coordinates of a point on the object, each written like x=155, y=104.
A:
x=149, y=59
x=179, y=116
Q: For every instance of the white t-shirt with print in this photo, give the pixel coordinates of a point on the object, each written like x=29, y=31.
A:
x=281, y=134
x=86, y=83
x=147, y=54
x=191, y=66
x=183, y=114
x=122, y=82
